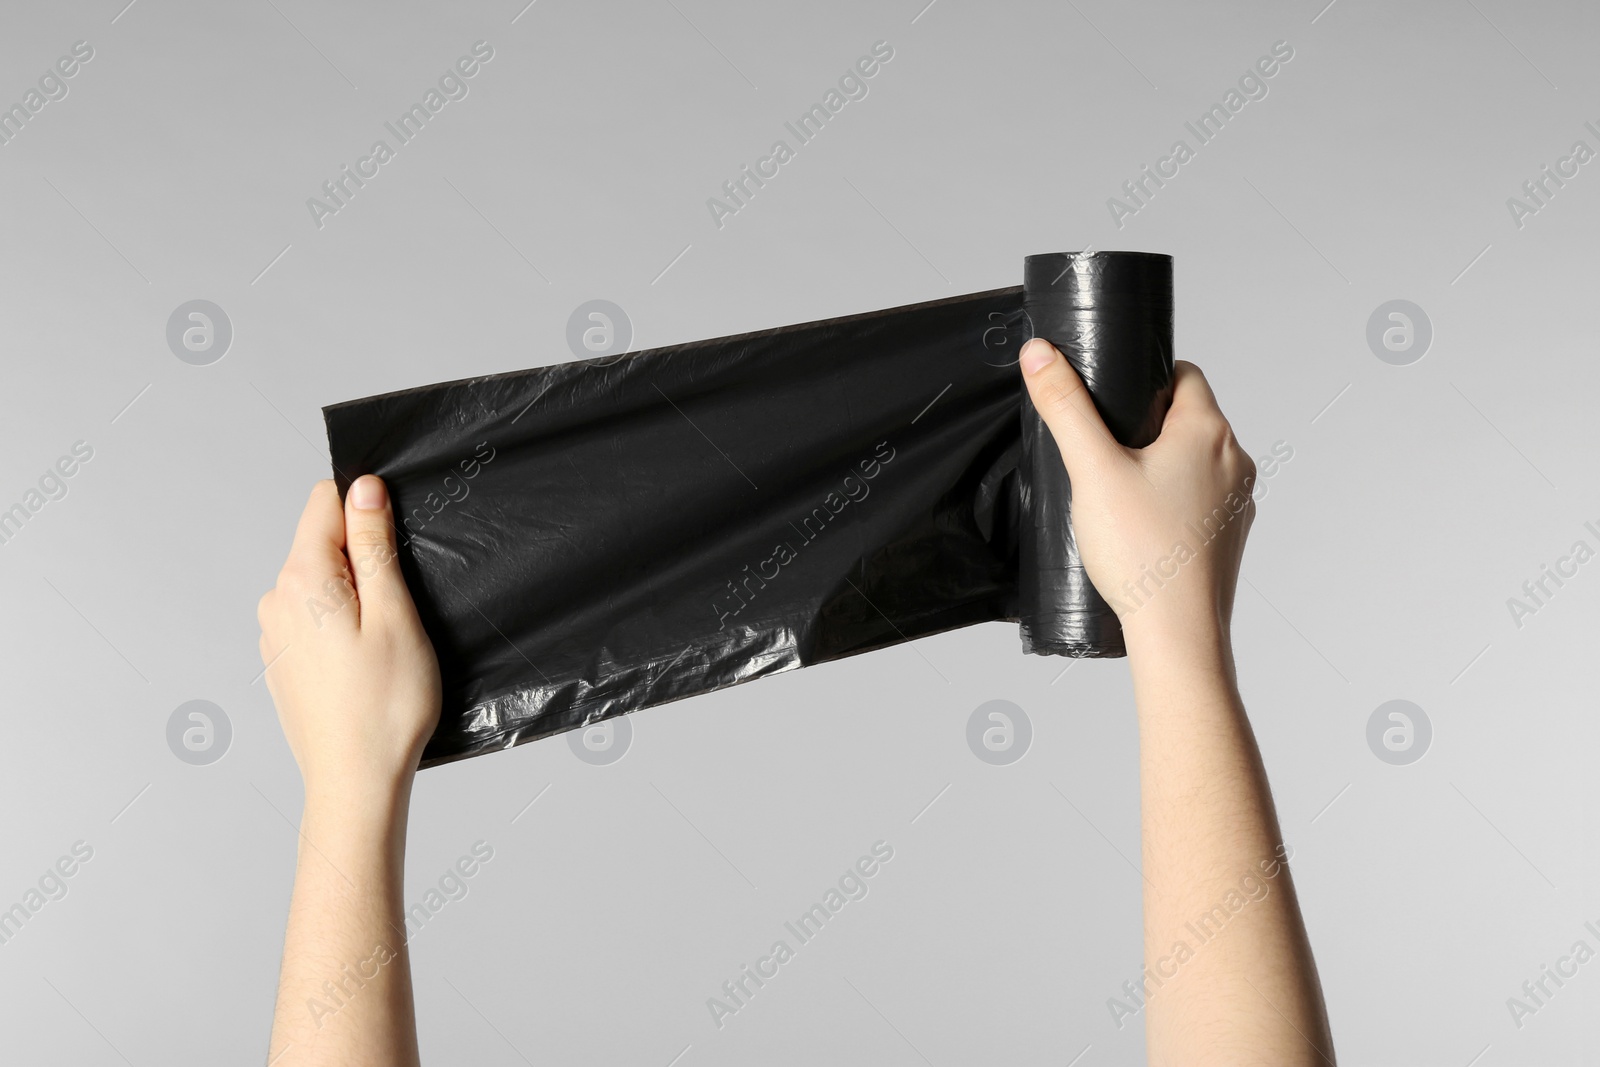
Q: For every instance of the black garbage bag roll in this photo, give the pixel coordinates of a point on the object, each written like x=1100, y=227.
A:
x=591, y=538
x=1110, y=314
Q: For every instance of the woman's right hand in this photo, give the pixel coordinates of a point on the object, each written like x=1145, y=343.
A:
x=1161, y=529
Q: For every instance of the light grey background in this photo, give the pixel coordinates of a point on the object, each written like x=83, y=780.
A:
x=1418, y=500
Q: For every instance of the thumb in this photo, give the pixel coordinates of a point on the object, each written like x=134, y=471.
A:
x=370, y=544
x=1066, y=407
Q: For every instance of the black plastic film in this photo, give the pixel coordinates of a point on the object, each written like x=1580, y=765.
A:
x=1110, y=314
x=587, y=539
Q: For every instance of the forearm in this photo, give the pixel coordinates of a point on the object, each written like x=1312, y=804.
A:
x=344, y=994
x=1229, y=970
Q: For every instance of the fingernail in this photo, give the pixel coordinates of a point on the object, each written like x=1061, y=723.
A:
x=367, y=493
x=1036, y=355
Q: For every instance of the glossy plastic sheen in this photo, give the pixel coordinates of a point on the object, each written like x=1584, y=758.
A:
x=1110, y=314
x=588, y=539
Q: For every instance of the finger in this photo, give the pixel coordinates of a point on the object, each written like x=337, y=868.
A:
x=319, y=540
x=370, y=544
x=1066, y=407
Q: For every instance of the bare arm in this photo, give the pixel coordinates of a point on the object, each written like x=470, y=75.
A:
x=1229, y=977
x=357, y=690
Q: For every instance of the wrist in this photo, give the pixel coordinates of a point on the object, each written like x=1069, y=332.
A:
x=1179, y=633
x=1193, y=652
x=356, y=837
x=365, y=805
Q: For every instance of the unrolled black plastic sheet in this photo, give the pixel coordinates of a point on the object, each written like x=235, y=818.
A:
x=587, y=539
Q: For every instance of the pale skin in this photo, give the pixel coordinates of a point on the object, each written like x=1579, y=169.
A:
x=357, y=689
x=356, y=685
x=1250, y=994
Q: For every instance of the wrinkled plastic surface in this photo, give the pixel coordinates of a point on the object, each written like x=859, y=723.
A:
x=588, y=539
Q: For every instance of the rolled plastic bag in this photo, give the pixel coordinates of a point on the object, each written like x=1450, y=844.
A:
x=1110, y=314
x=587, y=539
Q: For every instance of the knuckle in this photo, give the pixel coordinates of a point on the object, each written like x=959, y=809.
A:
x=370, y=540
x=1057, y=397
x=294, y=578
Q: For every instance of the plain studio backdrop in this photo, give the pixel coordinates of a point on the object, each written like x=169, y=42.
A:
x=1443, y=858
